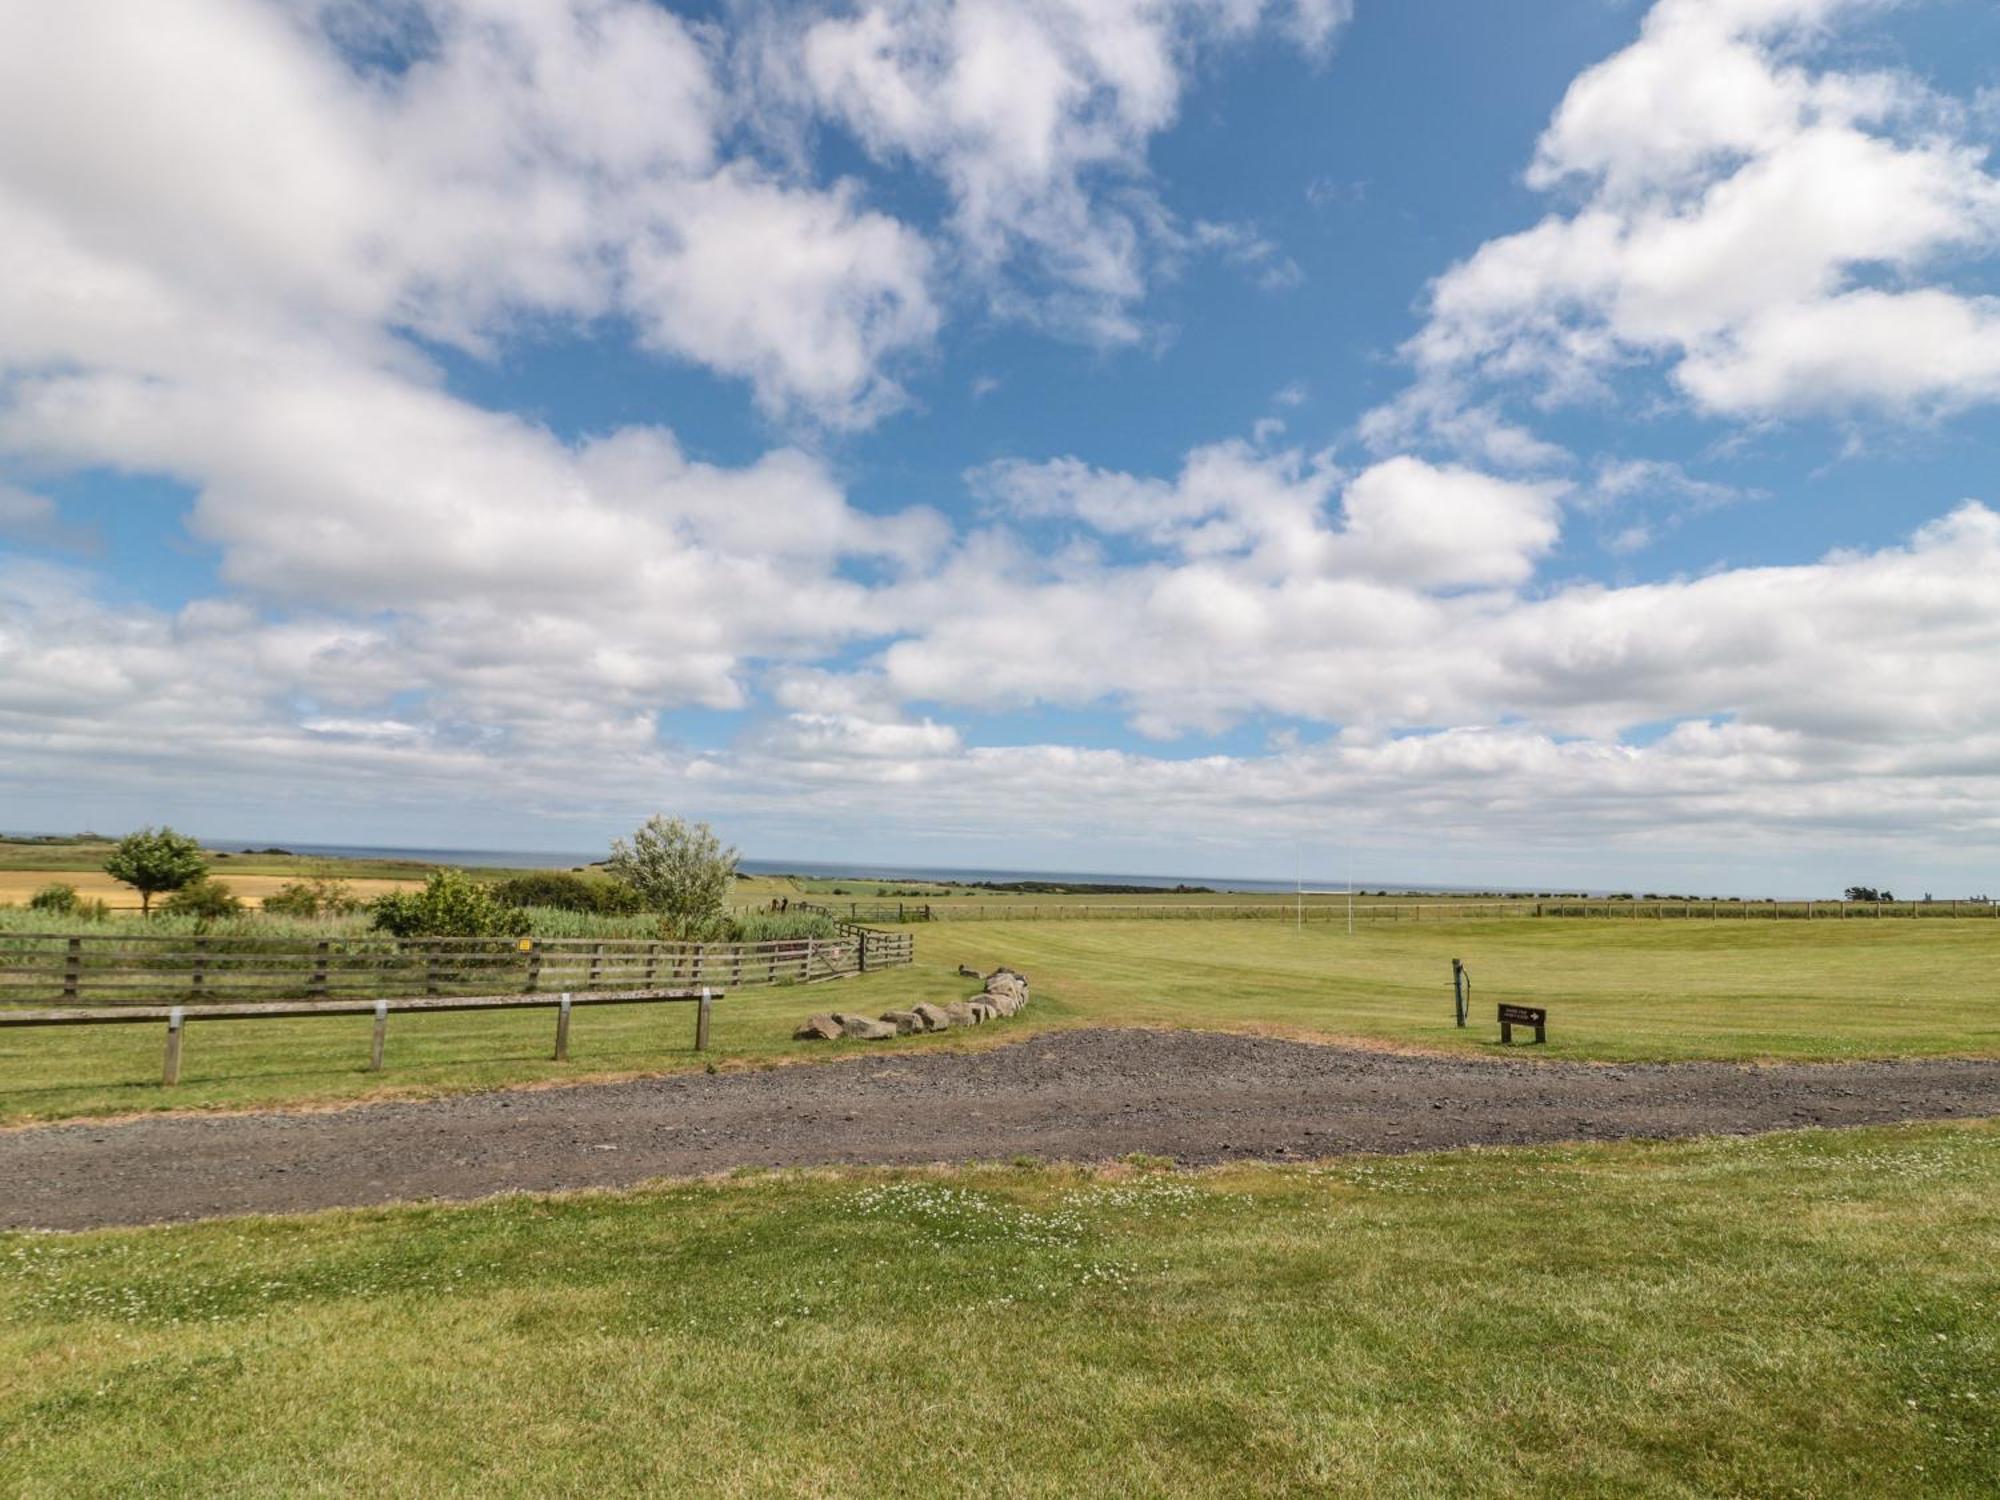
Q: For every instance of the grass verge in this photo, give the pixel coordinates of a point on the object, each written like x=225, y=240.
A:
x=1800, y=1314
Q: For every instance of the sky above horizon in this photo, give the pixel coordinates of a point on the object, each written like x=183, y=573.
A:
x=1500, y=442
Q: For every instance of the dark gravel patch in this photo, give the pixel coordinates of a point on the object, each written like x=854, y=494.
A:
x=1079, y=1095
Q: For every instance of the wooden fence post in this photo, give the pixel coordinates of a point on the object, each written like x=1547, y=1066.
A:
x=381, y=1036
x=317, y=985
x=534, y=966
x=807, y=971
x=652, y=962
x=701, y=1021
x=562, y=1030
x=72, y=968
x=430, y=969
x=200, y=964
x=596, y=965
x=170, y=1071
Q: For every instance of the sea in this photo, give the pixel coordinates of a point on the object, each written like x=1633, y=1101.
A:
x=865, y=870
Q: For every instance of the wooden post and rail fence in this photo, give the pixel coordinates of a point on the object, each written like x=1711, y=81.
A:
x=119, y=979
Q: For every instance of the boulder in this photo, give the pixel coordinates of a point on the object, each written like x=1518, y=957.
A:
x=1008, y=982
x=933, y=1017
x=866, y=1030
x=1003, y=1003
x=905, y=1021
x=964, y=1013
x=820, y=1028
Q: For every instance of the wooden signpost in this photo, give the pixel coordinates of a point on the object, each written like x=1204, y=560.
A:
x=1523, y=1015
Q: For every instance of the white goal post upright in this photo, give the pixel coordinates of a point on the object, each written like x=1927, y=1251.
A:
x=1349, y=893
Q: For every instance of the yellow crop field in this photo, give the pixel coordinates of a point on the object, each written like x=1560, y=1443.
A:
x=16, y=886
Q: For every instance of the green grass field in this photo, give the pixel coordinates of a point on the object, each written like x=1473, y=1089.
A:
x=1809, y=1314
x=1615, y=990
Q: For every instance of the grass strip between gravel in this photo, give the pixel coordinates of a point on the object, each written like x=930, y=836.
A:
x=1812, y=1313
x=1616, y=990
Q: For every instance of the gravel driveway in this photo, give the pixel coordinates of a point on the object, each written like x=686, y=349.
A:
x=1075, y=1095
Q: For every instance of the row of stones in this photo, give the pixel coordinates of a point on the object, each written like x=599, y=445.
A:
x=1005, y=994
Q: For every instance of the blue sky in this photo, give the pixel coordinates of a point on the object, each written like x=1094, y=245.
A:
x=1528, y=443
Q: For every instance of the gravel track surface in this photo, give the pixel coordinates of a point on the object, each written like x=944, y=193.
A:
x=1076, y=1095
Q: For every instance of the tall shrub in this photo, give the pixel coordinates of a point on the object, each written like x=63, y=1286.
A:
x=321, y=896
x=57, y=898
x=679, y=869
x=205, y=900
x=451, y=904
x=564, y=891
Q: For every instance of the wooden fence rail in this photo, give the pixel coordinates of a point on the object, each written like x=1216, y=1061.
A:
x=114, y=969
x=177, y=1016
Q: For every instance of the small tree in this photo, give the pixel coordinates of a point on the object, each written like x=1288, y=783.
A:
x=679, y=869
x=156, y=860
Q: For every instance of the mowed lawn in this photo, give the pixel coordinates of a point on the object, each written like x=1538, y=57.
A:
x=1809, y=1314
x=1616, y=990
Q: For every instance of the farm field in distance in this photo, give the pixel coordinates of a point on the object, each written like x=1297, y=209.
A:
x=1809, y=1313
x=27, y=864
x=1616, y=991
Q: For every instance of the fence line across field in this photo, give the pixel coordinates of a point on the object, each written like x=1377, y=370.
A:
x=1332, y=906
x=114, y=969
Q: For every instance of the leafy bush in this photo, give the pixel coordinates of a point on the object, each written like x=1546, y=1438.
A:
x=559, y=890
x=451, y=904
x=321, y=896
x=59, y=907
x=56, y=898
x=205, y=900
